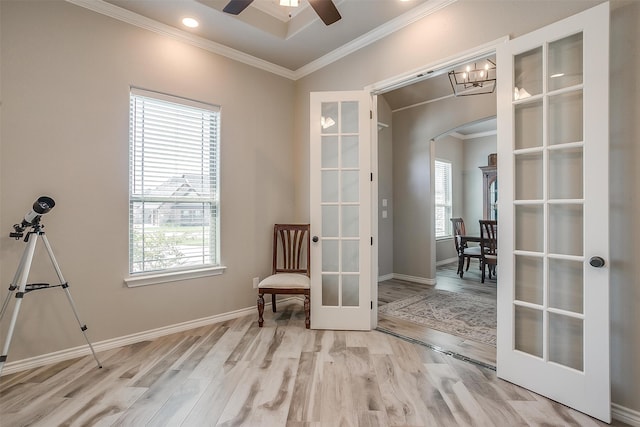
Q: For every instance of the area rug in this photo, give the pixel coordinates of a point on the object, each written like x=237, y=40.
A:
x=468, y=316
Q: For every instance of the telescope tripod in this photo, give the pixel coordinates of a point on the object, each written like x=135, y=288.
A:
x=20, y=283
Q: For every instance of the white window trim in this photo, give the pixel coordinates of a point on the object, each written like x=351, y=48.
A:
x=450, y=235
x=172, y=276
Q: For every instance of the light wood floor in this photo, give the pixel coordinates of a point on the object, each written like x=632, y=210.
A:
x=393, y=290
x=236, y=374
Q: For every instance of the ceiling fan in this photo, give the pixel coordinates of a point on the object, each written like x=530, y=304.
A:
x=325, y=9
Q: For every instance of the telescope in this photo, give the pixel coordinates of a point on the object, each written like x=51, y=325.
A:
x=32, y=219
x=40, y=207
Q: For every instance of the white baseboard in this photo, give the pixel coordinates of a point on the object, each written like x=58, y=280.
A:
x=385, y=277
x=625, y=415
x=423, y=280
x=398, y=276
x=84, y=350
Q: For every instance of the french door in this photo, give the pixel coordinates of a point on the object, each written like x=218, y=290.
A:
x=553, y=293
x=340, y=211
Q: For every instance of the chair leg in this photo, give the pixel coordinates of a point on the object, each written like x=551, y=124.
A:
x=468, y=261
x=273, y=302
x=307, y=312
x=482, y=267
x=260, y=310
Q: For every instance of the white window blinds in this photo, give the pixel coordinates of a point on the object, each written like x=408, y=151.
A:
x=443, y=199
x=173, y=183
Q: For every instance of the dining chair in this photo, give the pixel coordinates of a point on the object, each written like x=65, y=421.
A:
x=291, y=271
x=463, y=249
x=489, y=247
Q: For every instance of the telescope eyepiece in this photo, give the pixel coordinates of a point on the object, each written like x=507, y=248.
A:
x=40, y=207
x=43, y=205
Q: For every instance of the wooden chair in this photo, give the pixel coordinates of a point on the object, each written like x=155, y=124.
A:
x=291, y=268
x=489, y=247
x=463, y=250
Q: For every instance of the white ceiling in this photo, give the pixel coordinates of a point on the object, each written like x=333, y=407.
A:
x=291, y=42
x=291, y=46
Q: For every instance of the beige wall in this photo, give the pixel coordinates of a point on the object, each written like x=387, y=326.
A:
x=66, y=73
x=624, y=187
x=385, y=189
x=451, y=149
x=439, y=36
x=466, y=157
x=413, y=129
x=476, y=153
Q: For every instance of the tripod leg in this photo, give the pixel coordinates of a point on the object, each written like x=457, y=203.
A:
x=65, y=286
x=21, y=277
x=6, y=301
x=13, y=286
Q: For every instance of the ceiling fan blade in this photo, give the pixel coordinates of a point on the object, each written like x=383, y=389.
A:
x=234, y=7
x=326, y=10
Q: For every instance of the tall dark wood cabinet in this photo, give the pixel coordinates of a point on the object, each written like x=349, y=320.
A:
x=489, y=192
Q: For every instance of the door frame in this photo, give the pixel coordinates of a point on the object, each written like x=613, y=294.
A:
x=416, y=75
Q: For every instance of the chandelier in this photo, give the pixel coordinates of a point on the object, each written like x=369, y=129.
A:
x=474, y=80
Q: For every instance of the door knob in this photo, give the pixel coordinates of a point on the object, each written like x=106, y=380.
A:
x=596, y=261
x=315, y=239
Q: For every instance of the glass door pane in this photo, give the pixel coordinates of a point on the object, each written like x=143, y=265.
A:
x=565, y=62
x=548, y=202
x=340, y=203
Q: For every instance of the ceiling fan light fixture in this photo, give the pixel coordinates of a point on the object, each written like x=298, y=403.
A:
x=289, y=3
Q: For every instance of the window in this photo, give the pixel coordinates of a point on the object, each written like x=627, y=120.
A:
x=443, y=198
x=173, y=183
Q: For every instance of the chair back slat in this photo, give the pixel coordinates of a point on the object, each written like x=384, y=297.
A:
x=458, y=230
x=293, y=242
x=489, y=236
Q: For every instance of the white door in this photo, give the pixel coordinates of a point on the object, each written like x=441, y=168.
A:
x=340, y=211
x=553, y=136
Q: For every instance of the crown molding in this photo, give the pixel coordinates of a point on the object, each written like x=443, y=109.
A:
x=473, y=135
x=382, y=31
x=140, y=21
x=372, y=36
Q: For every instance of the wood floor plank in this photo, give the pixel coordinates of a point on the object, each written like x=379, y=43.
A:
x=363, y=380
x=236, y=374
x=448, y=280
x=180, y=404
x=463, y=406
x=32, y=396
x=305, y=388
x=402, y=405
x=146, y=407
x=335, y=396
x=276, y=392
x=369, y=341
x=216, y=397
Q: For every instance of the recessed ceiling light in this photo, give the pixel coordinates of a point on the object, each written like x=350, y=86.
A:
x=190, y=22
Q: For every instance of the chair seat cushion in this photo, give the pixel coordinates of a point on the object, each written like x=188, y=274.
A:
x=285, y=280
x=474, y=250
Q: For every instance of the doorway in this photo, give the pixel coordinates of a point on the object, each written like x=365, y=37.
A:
x=405, y=209
x=452, y=314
